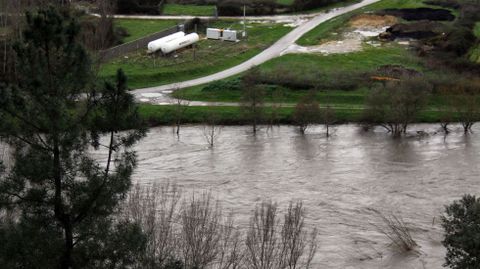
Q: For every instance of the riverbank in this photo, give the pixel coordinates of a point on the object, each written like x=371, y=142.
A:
x=158, y=115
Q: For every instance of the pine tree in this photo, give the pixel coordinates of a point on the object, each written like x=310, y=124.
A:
x=58, y=204
x=462, y=233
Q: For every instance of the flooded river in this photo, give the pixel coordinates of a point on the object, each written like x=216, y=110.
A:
x=340, y=179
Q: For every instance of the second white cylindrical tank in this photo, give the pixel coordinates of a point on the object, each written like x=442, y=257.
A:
x=159, y=43
x=179, y=43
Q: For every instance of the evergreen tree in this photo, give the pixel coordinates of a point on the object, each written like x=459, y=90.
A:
x=58, y=204
x=462, y=233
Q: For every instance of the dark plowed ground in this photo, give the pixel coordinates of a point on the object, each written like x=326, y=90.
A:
x=417, y=14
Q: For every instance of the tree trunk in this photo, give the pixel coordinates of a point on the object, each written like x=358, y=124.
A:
x=62, y=218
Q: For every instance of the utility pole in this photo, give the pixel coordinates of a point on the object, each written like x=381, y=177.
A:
x=244, y=34
x=195, y=45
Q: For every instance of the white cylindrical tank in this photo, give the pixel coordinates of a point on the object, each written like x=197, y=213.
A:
x=156, y=45
x=179, y=43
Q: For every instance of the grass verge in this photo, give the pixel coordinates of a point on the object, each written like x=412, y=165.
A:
x=227, y=115
x=191, y=10
x=140, y=28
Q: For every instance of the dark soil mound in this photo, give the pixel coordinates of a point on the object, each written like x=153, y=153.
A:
x=443, y=3
x=417, y=30
x=417, y=14
x=397, y=71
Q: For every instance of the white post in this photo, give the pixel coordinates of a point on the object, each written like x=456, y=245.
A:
x=244, y=34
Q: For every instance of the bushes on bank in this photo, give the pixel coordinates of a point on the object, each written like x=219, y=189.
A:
x=150, y=7
x=462, y=233
x=223, y=85
x=295, y=80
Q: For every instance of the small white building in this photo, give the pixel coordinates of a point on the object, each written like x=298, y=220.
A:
x=220, y=34
x=229, y=35
x=214, y=33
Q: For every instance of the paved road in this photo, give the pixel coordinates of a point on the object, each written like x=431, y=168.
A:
x=272, y=52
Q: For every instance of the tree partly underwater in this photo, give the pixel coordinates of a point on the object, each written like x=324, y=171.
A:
x=58, y=204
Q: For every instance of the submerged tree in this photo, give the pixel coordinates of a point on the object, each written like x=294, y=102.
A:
x=211, y=128
x=62, y=200
x=328, y=118
x=307, y=112
x=395, y=105
x=180, y=106
x=252, y=99
x=465, y=104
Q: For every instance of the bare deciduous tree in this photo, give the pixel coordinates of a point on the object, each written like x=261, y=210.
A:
x=275, y=108
x=307, y=112
x=263, y=239
x=466, y=105
x=396, y=104
x=328, y=118
x=198, y=235
x=155, y=208
x=201, y=231
x=252, y=99
x=211, y=129
x=296, y=240
x=180, y=106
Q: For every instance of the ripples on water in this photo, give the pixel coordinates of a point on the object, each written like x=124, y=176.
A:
x=339, y=179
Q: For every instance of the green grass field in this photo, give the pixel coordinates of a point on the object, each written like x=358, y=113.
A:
x=192, y=10
x=140, y=28
x=364, y=61
x=227, y=115
x=210, y=56
x=285, y=2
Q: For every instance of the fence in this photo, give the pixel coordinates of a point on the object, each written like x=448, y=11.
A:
x=111, y=53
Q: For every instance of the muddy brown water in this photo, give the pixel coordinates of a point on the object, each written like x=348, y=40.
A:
x=340, y=179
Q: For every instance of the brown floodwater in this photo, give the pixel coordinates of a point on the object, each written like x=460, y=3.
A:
x=340, y=179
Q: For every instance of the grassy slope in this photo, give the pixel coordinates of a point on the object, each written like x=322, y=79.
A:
x=140, y=28
x=363, y=61
x=211, y=56
x=193, y=10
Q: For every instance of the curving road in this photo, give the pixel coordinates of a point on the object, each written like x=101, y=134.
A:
x=271, y=52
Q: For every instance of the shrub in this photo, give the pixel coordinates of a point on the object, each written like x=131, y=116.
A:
x=138, y=7
x=462, y=233
x=397, y=231
x=253, y=7
x=223, y=85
